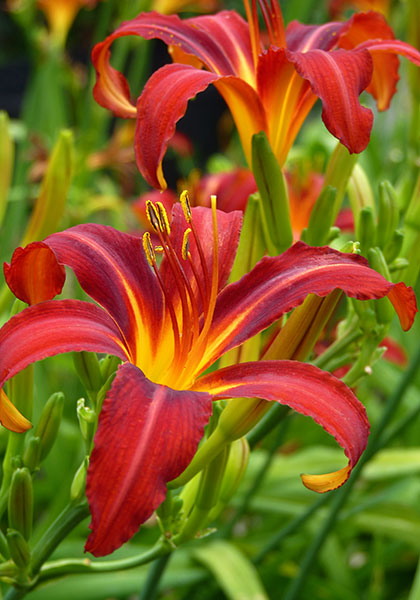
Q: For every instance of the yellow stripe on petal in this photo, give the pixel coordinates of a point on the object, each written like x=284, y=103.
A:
x=326, y=482
x=10, y=417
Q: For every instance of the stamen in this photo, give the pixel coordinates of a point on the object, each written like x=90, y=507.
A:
x=186, y=244
x=148, y=249
x=153, y=216
x=186, y=206
x=163, y=217
x=254, y=30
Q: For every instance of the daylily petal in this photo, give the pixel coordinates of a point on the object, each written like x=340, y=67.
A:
x=287, y=99
x=147, y=435
x=278, y=284
x=10, y=417
x=338, y=78
x=307, y=390
x=203, y=37
x=301, y=38
x=162, y=103
x=34, y=275
x=232, y=189
x=111, y=267
x=228, y=228
x=55, y=327
x=365, y=27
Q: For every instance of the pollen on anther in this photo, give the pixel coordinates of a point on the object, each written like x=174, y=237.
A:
x=186, y=206
x=186, y=244
x=153, y=216
x=163, y=217
x=148, y=249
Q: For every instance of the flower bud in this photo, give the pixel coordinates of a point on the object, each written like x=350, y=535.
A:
x=322, y=218
x=88, y=369
x=394, y=245
x=366, y=229
x=19, y=548
x=108, y=365
x=49, y=207
x=87, y=420
x=388, y=214
x=78, y=486
x=6, y=162
x=21, y=502
x=32, y=454
x=49, y=423
x=274, y=197
x=383, y=307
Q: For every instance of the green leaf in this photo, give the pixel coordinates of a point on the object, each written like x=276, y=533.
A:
x=235, y=574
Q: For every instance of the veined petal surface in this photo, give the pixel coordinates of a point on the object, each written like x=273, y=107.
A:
x=307, y=390
x=34, y=275
x=301, y=38
x=55, y=327
x=337, y=78
x=111, y=267
x=278, y=284
x=147, y=435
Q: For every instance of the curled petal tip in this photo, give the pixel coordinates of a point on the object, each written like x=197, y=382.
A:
x=10, y=417
x=404, y=301
x=326, y=482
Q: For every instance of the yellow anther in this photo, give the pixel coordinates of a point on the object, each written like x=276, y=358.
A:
x=148, y=249
x=186, y=206
x=213, y=201
x=186, y=244
x=153, y=216
x=159, y=249
x=163, y=217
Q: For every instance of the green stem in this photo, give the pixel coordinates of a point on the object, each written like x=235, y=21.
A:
x=277, y=413
x=154, y=576
x=337, y=347
x=340, y=496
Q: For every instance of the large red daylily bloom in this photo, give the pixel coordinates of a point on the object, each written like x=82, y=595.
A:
x=169, y=324
x=269, y=89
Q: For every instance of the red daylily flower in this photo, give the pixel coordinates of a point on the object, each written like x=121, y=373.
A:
x=267, y=89
x=169, y=324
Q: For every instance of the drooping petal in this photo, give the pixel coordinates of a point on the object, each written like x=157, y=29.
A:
x=366, y=27
x=228, y=228
x=147, y=435
x=34, y=275
x=307, y=390
x=111, y=267
x=220, y=42
x=55, y=327
x=10, y=417
x=278, y=284
x=162, y=103
x=338, y=78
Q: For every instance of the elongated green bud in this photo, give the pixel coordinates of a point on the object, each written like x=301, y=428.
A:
x=19, y=548
x=360, y=192
x=322, y=218
x=49, y=423
x=274, y=197
x=394, y=246
x=235, y=469
x=7, y=151
x=383, y=307
x=21, y=502
x=251, y=246
x=366, y=229
x=32, y=454
x=88, y=369
x=78, y=486
x=388, y=213
x=339, y=169
x=49, y=207
x=87, y=420
x=108, y=365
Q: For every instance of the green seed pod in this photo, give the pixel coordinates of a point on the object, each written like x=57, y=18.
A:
x=21, y=502
x=49, y=423
x=19, y=548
